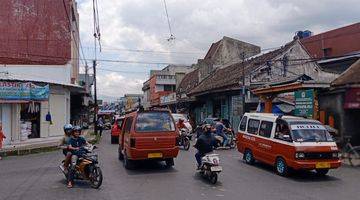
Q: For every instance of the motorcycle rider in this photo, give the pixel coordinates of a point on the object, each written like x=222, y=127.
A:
x=220, y=127
x=76, y=142
x=204, y=144
x=64, y=144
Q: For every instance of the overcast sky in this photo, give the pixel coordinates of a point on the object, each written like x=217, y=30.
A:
x=128, y=25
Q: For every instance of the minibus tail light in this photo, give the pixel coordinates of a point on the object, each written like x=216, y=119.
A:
x=132, y=142
x=335, y=155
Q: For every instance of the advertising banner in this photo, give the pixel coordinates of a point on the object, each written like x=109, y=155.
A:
x=23, y=91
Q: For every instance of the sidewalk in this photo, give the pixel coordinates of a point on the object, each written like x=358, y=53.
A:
x=38, y=145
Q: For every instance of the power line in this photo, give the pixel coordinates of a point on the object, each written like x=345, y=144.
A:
x=149, y=51
x=172, y=37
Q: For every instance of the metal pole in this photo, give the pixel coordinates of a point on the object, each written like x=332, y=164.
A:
x=95, y=99
x=243, y=81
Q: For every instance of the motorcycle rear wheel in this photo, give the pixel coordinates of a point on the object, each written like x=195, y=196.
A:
x=213, y=178
x=96, y=177
x=186, y=143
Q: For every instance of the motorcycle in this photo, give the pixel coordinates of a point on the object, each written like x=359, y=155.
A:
x=210, y=167
x=231, y=139
x=87, y=167
x=185, y=139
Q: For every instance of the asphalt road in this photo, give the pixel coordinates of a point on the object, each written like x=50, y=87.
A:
x=37, y=177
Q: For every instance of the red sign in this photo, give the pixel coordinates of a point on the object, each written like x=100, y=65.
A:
x=352, y=99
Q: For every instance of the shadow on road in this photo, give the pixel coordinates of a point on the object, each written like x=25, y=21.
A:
x=150, y=167
x=300, y=176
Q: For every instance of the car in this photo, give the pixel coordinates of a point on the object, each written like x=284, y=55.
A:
x=287, y=142
x=177, y=116
x=116, y=129
x=148, y=135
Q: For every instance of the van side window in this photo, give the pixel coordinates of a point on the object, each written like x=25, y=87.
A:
x=243, y=124
x=253, y=126
x=128, y=123
x=282, y=132
x=265, y=129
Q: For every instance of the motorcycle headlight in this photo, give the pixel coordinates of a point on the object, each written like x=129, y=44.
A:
x=299, y=155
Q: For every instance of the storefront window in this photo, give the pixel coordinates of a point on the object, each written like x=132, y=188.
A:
x=30, y=121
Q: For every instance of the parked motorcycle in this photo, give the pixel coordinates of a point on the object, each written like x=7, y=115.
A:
x=185, y=139
x=210, y=167
x=231, y=139
x=87, y=167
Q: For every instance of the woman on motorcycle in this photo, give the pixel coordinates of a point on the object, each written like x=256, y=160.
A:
x=64, y=144
x=76, y=142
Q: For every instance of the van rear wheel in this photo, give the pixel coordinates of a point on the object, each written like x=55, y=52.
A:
x=121, y=155
x=248, y=157
x=128, y=164
x=321, y=172
x=169, y=162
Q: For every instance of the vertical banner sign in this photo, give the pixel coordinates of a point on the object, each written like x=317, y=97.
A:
x=304, y=103
x=23, y=91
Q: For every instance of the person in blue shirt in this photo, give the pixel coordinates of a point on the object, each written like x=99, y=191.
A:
x=76, y=142
x=220, y=127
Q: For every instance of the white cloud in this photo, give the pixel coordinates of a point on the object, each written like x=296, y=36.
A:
x=141, y=24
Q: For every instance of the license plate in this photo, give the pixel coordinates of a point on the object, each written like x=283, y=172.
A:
x=216, y=169
x=322, y=165
x=155, y=155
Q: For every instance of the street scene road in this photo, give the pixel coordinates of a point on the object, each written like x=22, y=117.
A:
x=37, y=177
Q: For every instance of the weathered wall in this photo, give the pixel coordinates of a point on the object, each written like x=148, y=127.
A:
x=341, y=41
x=297, y=65
x=34, y=32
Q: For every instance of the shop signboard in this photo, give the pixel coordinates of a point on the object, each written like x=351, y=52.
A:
x=304, y=103
x=23, y=91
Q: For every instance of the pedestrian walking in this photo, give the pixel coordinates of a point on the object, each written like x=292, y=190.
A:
x=100, y=125
x=2, y=137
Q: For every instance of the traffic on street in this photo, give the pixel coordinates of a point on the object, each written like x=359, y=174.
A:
x=38, y=177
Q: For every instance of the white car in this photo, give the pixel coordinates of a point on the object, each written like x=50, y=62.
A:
x=177, y=116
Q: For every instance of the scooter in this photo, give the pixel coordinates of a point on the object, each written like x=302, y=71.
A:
x=184, y=139
x=231, y=139
x=87, y=167
x=210, y=167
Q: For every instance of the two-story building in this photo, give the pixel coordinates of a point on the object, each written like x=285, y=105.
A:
x=162, y=84
x=39, y=67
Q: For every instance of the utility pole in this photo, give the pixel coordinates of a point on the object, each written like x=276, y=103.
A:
x=243, y=81
x=95, y=98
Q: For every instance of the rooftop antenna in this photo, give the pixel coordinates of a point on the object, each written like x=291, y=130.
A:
x=172, y=37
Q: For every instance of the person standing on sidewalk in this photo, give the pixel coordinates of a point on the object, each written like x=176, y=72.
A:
x=100, y=125
x=2, y=137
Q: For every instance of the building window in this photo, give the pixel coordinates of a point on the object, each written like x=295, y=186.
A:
x=169, y=88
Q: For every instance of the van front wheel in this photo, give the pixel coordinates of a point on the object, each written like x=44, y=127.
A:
x=281, y=167
x=248, y=157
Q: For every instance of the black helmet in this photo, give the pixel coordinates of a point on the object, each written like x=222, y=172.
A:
x=68, y=128
x=77, y=129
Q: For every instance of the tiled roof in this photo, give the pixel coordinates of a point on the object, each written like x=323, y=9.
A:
x=350, y=76
x=189, y=82
x=230, y=76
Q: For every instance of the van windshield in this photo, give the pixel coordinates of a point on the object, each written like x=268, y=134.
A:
x=154, y=122
x=310, y=133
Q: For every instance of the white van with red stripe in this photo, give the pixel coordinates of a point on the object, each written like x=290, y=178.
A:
x=287, y=142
